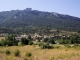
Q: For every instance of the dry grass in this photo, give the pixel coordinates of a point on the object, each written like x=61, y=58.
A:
x=40, y=54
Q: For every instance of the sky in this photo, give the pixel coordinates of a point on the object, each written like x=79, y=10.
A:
x=70, y=7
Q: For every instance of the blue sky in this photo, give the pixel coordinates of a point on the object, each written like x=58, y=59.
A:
x=70, y=7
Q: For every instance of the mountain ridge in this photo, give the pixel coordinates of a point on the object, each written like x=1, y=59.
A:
x=29, y=20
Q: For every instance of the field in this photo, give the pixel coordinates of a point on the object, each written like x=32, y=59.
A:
x=57, y=53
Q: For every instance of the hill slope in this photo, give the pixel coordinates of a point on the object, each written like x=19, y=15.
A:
x=29, y=20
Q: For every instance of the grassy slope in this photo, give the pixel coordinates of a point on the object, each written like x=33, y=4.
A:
x=40, y=54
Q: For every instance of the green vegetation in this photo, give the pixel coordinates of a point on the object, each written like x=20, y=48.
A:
x=9, y=41
x=36, y=53
x=49, y=40
x=28, y=54
x=51, y=58
x=45, y=46
x=30, y=43
x=36, y=21
x=16, y=53
x=20, y=44
x=24, y=41
x=25, y=59
x=7, y=52
x=49, y=44
x=46, y=43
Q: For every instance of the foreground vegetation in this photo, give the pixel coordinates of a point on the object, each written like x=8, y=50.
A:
x=34, y=52
x=46, y=49
x=10, y=40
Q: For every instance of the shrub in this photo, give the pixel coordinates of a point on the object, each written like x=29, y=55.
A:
x=76, y=46
x=46, y=46
x=3, y=42
x=7, y=52
x=51, y=58
x=30, y=43
x=16, y=53
x=57, y=47
x=20, y=44
x=25, y=59
x=9, y=57
x=28, y=54
x=24, y=41
x=40, y=44
x=51, y=40
x=45, y=40
x=67, y=45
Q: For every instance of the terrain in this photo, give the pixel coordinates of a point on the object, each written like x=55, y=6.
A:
x=61, y=53
x=46, y=49
x=31, y=21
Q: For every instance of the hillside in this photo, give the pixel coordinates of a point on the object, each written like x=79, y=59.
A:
x=31, y=21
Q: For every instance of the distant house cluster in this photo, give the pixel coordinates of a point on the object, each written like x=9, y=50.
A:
x=21, y=36
x=37, y=36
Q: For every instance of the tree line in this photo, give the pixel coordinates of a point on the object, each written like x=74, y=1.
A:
x=11, y=41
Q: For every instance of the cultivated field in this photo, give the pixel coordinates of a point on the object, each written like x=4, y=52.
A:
x=59, y=52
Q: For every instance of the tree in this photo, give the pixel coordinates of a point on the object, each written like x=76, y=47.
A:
x=51, y=40
x=74, y=38
x=45, y=46
x=10, y=40
x=30, y=43
x=3, y=42
x=29, y=37
x=45, y=40
x=24, y=41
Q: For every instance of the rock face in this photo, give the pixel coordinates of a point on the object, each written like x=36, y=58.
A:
x=29, y=20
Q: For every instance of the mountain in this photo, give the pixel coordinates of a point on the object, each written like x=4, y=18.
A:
x=29, y=20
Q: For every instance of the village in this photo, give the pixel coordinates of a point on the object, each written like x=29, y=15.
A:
x=36, y=36
x=57, y=38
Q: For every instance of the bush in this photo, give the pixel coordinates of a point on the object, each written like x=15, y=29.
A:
x=20, y=44
x=30, y=43
x=45, y=40
x=51, y=40
x=67, y=45
x=16, y=53
x=7, y=52
x=3, y=42
x=28, y=54
x=51, y=58
x=75, y=46
x=24, y=41
x=40, y=44
x=25, y=59
x=46, y=46
x=57, y=47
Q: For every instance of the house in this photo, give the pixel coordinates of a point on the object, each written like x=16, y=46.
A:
x=21, y=36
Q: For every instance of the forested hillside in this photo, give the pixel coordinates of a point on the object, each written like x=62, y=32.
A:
x=31, y=21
